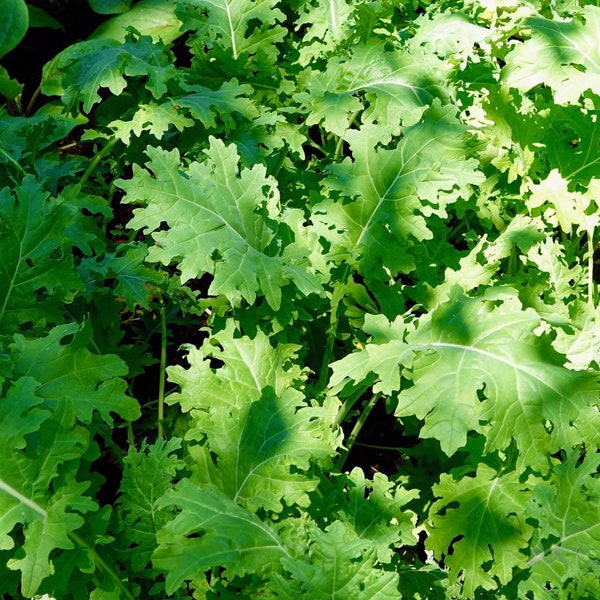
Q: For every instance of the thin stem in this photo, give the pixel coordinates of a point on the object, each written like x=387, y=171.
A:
x=33, y=98
x=97, y=158
x=362, y=419
x=163, y=368
x=13, y=161
x=590, y=257
x=336, y=298
x=99, y=561
x=340, y=143
x=348, y=404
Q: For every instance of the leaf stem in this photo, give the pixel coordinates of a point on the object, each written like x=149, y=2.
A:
x=99, y=561
x=97, y=158
x=362, y=419
x=163, y=368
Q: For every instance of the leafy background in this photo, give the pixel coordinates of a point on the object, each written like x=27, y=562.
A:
x=299, y=299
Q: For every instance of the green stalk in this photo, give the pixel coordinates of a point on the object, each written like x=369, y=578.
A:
x=97, y=158
x=99, y=561
x=163, y=369
x=590, y=257
x=362, y=419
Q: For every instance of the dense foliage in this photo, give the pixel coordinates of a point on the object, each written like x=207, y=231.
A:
x=238, y=234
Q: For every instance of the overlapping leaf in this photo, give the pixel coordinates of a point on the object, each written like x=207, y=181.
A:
x=212, y=530
x=36, y=270
x=565, y=553
x=220, y=221
x=563, y=55
x=479, y=527
x=398, y=87
x=255, y=419
x=387, y=194
x=474, y=366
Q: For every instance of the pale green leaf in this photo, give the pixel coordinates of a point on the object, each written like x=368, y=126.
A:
x=563, y=55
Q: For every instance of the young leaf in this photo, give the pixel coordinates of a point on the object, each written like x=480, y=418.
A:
x=147, y=475
x=238, y=26
x=338, y=565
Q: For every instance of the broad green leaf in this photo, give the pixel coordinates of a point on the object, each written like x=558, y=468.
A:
x=563, y=55
x=478, y=365
x=478, y=526
x=338, y=566
x=388, y=194
x=212, y=531
x=220, y=220
x=376, y=509
x=14, y=21
x=398, y=86
x=255, y=420
x=36, y=268
x=80, y=72
x=565, y=552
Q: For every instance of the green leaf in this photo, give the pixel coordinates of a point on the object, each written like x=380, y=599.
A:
x=67, y=371
x=479, y=527
x=14, y=21
x=220, y=221
x=398, y=87
x=264, y=435
x=36, y=269
x=478, y=365
x=237, y=26
x=563, y=55
x=338, y=565
x=109, y=7
x=211, y=530
x=564, y=556
x=154, y=118
x=388, y=194
x=34, y=489
x=155, y=18
x=147, y=474
x=79, y=72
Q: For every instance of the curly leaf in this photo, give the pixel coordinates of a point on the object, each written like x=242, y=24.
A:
x=220, y=221
x=565, y=555
x=256, y=421
x=479, y=527
x=563, y=55
x=387, y=194
x=478, y=365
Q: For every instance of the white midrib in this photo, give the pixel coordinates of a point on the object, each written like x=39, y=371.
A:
x=5, y=487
